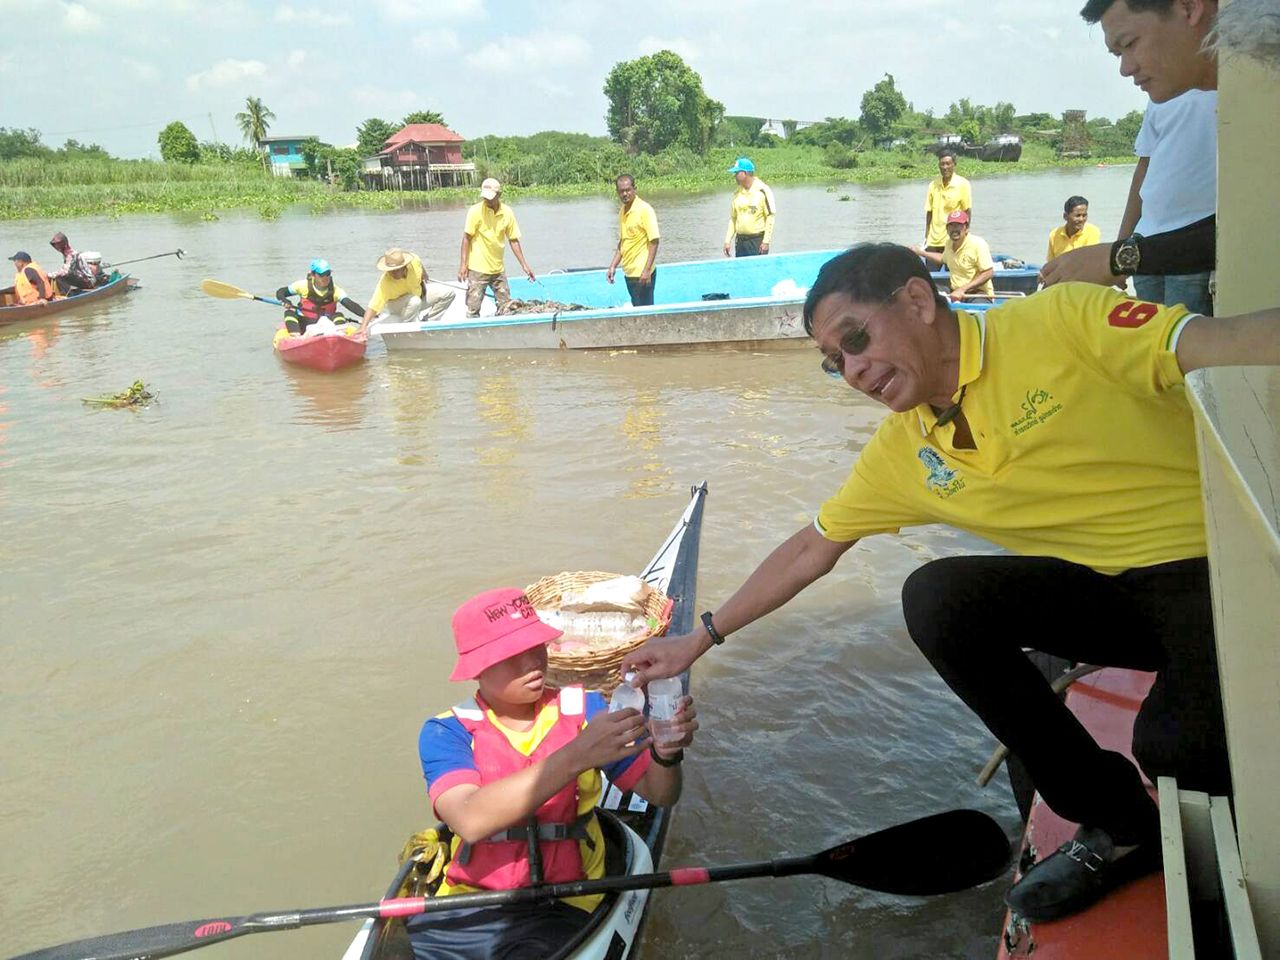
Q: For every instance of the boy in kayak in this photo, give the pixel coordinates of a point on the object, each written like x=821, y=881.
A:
x=516, y=755
x=318, y=297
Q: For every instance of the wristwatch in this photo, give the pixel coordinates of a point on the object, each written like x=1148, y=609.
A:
x=1125, y=256
x=716, y=636
x=672, y=761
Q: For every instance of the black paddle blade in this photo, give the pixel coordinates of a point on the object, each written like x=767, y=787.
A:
x=938, y=854
x=162, y=941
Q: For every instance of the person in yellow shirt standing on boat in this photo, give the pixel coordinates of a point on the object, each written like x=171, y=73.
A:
x=968, y=260
x=403, y=293
x=948, y=192
x=490, y=225
x=637, y=243
x=1076, y=232
x=31, y=285
x=751, y=212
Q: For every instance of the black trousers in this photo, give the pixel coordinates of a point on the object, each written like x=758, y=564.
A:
x=971, y=617
x=642, y=293
x=526, y=931
x=747, y=245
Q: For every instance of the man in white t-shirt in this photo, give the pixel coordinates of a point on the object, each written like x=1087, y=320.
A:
x=1175, y=183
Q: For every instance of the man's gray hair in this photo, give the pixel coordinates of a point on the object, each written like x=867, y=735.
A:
x=1250, y=28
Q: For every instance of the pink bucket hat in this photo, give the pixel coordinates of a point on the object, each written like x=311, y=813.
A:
x=495, y=625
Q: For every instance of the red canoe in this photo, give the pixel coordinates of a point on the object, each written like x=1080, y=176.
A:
x=327, y=352
x=1128, y=924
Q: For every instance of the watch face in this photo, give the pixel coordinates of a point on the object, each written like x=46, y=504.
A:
x=1127, y=256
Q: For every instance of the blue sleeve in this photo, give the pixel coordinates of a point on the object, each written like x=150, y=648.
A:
x=444, y=747
x=596, y=703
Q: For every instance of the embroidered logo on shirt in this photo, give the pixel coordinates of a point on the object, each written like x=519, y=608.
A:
x=1037, y=407
x=942, y=480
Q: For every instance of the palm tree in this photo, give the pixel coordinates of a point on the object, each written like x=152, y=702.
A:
x=255, y=120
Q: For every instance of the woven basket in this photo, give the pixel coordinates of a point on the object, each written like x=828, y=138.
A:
x=598, y=667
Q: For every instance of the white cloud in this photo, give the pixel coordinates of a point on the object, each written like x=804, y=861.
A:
x=6, y=62
x=438, y=42
x=438, y=11
x=80, y=19
x=388, y=101
x=142, y=71
x=226, y=72
x=687, y=50
x=296, y=59
x=543, y=49
x=308, y=15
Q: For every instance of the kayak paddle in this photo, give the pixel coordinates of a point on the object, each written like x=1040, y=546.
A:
x=225, y=291
x=939, y=854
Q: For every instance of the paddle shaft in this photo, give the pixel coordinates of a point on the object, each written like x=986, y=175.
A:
x=179, y=253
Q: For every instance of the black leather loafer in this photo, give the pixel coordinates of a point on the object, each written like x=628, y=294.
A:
x=1079, y=873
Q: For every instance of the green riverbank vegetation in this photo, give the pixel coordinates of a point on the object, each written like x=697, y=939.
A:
x=663, y=128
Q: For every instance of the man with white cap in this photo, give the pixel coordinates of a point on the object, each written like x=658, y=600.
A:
x=490, y=225
x=403, y=293
x=751, y=212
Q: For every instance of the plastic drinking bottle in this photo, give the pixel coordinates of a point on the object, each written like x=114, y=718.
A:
x=627, y=696
x=664, y=698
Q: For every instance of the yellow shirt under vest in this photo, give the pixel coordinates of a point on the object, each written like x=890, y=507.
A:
x=967, y=261
x=1086, y=448
x=389, y=288
x=489, y=231
x=1060, y=243
x=637, y=228
x=751, y=212
x=942, y=200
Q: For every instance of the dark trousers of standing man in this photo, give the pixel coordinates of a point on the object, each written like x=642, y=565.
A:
x=642, y=293
x=747, y=245
x=971, y=617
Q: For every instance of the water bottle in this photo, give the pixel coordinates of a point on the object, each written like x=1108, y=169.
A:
x=664, y=698
x=625, y=696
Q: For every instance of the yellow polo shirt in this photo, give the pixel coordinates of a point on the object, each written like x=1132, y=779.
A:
x=1086, y=448
x=489, y=231
x=1060, y=243
x=942, y=200
x=389, y=289
x=751, y=212
x=967, y=261
x=637, y=228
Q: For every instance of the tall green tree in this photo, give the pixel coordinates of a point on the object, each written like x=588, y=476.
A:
x=178, y=144
x=657, y=102
x=422, y=116
x=16, y=144
x=254, y=120
x=372, y=134
x=882, y=105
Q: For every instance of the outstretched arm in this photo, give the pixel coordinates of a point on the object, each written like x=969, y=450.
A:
x=801, y=559
x=1245, y=340
x=935, y=259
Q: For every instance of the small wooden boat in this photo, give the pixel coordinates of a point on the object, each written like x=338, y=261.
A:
x=745, y=302
x=326, y=352
x=11, y=311
x=1129, y=922
x=635, y=831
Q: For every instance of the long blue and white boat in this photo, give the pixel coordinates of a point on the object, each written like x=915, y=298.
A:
x=744, y=302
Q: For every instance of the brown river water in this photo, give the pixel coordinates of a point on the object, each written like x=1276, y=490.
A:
x=223, y=618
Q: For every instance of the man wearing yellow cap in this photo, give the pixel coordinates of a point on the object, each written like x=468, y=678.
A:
x=490, y=225
x=751, y=212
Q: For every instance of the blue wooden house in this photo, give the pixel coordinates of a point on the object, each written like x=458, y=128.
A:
x=285, y=154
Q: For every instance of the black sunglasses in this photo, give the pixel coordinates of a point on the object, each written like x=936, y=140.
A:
x=852, y=342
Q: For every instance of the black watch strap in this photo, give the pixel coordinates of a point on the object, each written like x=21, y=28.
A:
x=712, y=632
x=666, y=761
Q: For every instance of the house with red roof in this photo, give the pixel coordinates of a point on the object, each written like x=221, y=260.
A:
x=420, y=156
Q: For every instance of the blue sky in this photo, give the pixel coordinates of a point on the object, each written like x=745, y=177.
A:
x=116, y=71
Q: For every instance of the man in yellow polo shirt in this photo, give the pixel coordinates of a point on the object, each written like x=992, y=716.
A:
x=404, y=294
x=637, y=243
x=751, y=212
x=1075, y=232
x=947, y=193
x=1054, y=426
x=490, y=225
x=967, y=259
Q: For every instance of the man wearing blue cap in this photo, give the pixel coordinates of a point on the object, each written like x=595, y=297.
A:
x=750, y=212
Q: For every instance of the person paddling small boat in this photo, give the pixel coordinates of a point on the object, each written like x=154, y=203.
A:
x=318, y=296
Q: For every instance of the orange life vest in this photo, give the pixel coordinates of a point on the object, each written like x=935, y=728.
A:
x=26, y=291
